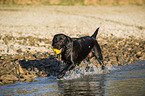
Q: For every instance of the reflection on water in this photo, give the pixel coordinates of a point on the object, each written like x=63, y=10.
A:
x=126, y=80
x=87, y=86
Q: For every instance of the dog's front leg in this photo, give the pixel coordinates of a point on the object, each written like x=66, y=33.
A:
x=69, y=62
x=67, y=68
x=70, y=65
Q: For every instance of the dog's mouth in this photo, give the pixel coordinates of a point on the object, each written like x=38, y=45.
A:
x=60, y=49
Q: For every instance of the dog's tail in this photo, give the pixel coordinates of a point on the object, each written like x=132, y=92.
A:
x=95, y=33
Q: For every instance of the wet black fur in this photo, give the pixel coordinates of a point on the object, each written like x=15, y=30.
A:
x=74, y=50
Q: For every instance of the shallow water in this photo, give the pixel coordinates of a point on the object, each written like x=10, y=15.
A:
x=126, y=80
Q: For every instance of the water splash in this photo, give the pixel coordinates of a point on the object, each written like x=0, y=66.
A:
x=85, y=69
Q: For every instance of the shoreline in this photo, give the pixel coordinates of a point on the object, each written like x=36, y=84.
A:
x=26, y=66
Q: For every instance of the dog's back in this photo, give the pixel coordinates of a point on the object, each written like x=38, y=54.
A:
x=83, y=46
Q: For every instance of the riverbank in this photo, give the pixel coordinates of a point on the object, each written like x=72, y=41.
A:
x=27, y=31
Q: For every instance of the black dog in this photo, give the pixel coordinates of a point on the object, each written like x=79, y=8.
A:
x=74, y=50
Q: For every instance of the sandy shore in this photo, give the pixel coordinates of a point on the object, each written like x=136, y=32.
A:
x=45, y=21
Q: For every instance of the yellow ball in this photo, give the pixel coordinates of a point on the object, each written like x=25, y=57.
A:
x=57, y=51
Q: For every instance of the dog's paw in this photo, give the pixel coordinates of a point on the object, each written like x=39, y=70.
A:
x=60, y=76
x=60, y=79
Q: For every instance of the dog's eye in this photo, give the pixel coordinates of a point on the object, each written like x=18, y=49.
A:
x=54, y=40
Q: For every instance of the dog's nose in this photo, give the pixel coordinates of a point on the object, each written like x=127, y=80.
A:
x=53, y=45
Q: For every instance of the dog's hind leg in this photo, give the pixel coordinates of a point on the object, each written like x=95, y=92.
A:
x=98, y=54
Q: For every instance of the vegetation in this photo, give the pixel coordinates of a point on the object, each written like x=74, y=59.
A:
x=73, y=2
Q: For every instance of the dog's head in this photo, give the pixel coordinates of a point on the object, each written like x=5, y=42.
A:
x=60, y=41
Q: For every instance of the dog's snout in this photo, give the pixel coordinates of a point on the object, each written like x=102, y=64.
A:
x=54, y=45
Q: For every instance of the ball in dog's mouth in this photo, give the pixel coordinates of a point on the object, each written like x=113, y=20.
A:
x=57, y=51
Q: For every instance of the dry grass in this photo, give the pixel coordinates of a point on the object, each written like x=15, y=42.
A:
x=42, y=22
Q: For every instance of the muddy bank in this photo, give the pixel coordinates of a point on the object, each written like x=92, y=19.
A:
x=25, y=66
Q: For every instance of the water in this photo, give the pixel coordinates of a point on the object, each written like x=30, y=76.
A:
x=126, y=80
x=80, y=71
